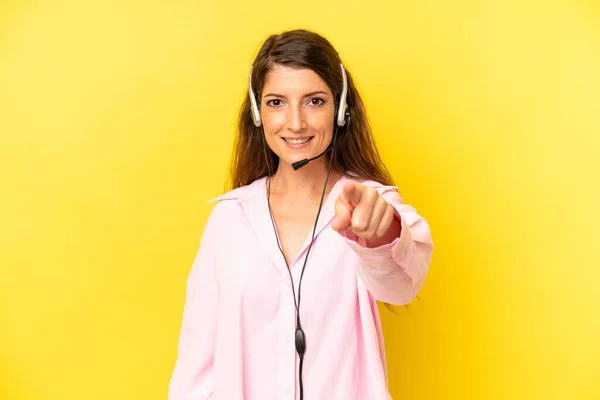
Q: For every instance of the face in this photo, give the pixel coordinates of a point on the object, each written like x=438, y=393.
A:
x=297, y=110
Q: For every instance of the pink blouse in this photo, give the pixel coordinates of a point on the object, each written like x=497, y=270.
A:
x=237, y=335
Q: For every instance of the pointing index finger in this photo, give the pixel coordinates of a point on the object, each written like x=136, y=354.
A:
x=351, y=193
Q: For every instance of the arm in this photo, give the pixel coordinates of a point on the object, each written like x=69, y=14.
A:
x=192, y=376
x=393, y=267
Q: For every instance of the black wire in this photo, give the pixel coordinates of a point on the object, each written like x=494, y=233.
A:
x=316, y=220
x=300, y=377
x=297, y=304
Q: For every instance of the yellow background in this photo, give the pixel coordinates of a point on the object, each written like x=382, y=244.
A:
x=116, y=122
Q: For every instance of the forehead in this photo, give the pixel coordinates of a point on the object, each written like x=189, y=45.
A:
x=287, y=80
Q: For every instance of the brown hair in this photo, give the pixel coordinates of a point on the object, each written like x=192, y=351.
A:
x=355, y=150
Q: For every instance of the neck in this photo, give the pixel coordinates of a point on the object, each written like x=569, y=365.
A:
x=308, y=181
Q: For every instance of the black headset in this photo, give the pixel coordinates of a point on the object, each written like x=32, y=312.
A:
x=343, y=117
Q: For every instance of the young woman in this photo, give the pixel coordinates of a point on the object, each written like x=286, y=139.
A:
x=282, y=297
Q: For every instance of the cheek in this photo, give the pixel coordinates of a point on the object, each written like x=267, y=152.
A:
x=272, y=126
x=273, y=122
x=324, y=127
x=321, y=122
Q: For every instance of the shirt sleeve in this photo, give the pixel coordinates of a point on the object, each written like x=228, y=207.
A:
x=394, y=272
x=192, y=377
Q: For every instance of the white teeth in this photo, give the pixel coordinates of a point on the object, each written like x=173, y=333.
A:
x=296, y=141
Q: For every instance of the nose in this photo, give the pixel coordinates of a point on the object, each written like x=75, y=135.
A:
x=296, y=119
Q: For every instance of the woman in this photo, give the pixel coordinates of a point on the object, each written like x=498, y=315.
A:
x=281, y=299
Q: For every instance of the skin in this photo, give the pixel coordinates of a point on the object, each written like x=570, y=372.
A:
x=297, y=104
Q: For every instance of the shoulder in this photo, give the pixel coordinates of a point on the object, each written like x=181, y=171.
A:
x=241, y=194
x=228, y=204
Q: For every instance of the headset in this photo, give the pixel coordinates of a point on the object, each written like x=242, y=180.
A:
x=343, y=117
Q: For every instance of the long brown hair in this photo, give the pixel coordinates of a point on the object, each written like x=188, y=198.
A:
x=355, y=149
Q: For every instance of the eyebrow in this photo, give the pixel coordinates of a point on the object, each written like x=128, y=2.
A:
x=306, y=95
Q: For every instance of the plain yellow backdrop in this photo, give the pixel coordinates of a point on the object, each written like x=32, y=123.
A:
x=116, y=124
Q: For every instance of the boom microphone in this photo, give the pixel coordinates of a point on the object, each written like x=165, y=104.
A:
x=299, y=164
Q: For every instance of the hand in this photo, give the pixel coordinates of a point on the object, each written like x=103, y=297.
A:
x=363, y=210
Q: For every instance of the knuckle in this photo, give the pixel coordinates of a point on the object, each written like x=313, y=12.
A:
x=371, y=192
x=361, y=225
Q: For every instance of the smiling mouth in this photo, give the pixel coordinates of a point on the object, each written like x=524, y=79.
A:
x=297, y=141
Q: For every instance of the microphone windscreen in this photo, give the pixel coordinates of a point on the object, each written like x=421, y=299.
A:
x=299, y=164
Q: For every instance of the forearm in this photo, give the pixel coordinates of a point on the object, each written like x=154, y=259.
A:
x=394, y=266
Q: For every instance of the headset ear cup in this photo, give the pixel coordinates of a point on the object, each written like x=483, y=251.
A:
x=343, y=106
x=254, y=111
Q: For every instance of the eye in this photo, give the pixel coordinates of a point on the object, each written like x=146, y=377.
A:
x=274, y=103
x=316, y=101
